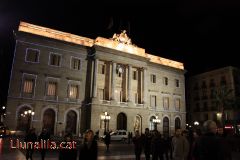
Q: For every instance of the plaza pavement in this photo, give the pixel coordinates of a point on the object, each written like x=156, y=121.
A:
x=118, y=150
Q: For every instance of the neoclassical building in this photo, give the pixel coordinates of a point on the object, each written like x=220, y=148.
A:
x=70, y=82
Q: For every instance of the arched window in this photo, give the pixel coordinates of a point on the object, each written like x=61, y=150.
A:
x=22, y=120
x=71, y=122
x=49, y=120
x=165, y=126
x=121, y=121
x=151, y=124
x=177, y=123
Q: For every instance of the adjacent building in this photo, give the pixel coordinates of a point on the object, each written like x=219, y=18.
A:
x=73, y=83
x=205, y=92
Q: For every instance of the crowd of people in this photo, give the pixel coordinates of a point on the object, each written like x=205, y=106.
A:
x=206, y=144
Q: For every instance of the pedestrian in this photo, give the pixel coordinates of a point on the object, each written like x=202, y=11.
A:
x=67, y=151
x=137, y=141
x=208, y=146
x=167, y=146
x=30, y=138
x=180, y=146
x=147, y=138
x=89, y=148
x=107, y=140
x=186, y=144
x=44, y=136
x=157, y=146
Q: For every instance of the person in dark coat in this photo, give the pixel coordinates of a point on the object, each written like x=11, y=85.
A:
x=157, y=146
x=147, y=138
x=44, y=135
x=107, y=140
x=30, y=137
x=208, y=146
x=89, y=148
x=137, y=141
x=65, y=152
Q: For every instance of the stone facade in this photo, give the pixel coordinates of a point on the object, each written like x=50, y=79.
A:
x=70, y=84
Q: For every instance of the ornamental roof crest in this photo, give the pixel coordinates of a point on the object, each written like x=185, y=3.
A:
x=122, y=38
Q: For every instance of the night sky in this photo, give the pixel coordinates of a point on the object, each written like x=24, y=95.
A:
x=203, y=34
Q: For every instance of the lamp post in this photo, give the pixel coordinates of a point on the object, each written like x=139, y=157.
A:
x=156, y=121
x=29, y=115
x=106, y=118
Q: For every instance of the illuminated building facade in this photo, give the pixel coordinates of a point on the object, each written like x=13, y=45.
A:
x=71, y=82
x=207, y=91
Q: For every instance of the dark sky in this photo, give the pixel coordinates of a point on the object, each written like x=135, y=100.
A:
x=203, y=34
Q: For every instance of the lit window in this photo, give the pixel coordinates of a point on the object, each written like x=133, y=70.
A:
x=55, y=59
x=73, y=91
x=28, y=86
x=52, y=88
x=153, y=78
x=76, y=64
x=32, y=55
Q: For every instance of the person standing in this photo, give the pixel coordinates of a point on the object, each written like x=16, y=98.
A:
x=180, y=146
x=137, y=141
x=44, y=136
x=208, y=146
x=147, y=138
x=107, y=140
x=65, y=151
x=31, y=137
x=89, y=148
x=157, y=146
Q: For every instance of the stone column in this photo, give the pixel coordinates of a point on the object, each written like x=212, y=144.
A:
x=113, y=80
x=145, y=87
x=95, y=78
x=130, y=83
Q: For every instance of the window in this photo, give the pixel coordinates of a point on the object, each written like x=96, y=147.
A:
x=28, y=86
x=165, y=79
x=177, y=104
x=73, y=91
x=52, y=88
x=153, y=78
x=177, y=84
x=55, y=59
x=32, y=55
x=75, y=63
x=166, y=103
x=101, y=69
x=134, y=75
x=153, y=100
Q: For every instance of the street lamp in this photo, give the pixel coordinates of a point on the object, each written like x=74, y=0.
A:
x=2, y=112
x=29, y=115
x=106, y=118
x=156, y=121
x=196, y=123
